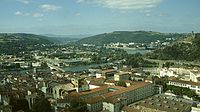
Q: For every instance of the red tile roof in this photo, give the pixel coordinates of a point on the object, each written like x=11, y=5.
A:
x=132, y=87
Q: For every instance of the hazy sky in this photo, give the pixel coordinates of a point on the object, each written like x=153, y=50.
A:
x=98, y=16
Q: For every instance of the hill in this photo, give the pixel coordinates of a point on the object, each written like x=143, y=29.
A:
x=127, y=37
x=187, y=49
x=64, y=39
x=11, y=43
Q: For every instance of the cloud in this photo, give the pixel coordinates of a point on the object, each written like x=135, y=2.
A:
x=124, y=4
x=147, y=14
x=49, y=7
x=18, y=13
x=24, y=1
x=78, y=14
x=37, y=15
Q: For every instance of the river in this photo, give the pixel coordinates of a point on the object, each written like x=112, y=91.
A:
x=83, y=67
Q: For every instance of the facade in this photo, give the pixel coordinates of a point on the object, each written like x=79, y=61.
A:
x=110, y=82
x=114, y=104
x=58, y=89
x=187, y=84
x=133, y=93
x=106, y=73
x=94, y=105
x=195, y=76
x=80, y=84
x=166, y=72
x=31, y=99
x=121, y=76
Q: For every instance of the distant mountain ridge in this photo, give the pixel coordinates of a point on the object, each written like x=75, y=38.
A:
x=63, y=39
x=11, y=43
x=127, y=37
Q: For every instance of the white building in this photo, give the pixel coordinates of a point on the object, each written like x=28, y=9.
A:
x=166, y=72
x=195, y=76
x=187, y=84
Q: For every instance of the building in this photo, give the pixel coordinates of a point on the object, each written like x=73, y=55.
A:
x=195, y=75
x=187, y=84
x=31, y=99
x=110, y=82
x=166, y=72
x=121, y=76
x=158, y=104
x=80, y=84
x=108, y=74
x=196, y=109
x=114, y=104
x=133, y=93
x=57, y=89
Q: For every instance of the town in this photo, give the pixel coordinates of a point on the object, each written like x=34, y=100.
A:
x=99, y=56
x=90, y=78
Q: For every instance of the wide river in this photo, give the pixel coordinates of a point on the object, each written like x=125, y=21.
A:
x=132, y=50
x=86, y=67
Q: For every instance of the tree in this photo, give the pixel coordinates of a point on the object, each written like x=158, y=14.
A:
x=77, y=105
x=161, y=81
x=181, y=91
x=19, y=104
x=43, y=105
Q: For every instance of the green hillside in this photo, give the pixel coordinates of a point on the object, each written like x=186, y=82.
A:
x=188, y=49
x=11, y=43
x=127, y=37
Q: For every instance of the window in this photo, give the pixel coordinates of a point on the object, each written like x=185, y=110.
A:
x=55, y=92
x=193, y=86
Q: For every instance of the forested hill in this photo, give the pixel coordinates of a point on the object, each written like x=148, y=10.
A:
x=11, y=43
x=187, y=49
x=127, y=37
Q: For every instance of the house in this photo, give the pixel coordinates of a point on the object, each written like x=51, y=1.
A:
x=195, y=75
x=57, y=89
x=110, y=82
x=121, y=76
x=114, y=104
x=108, y=73
x=166, y=72
x=80, y=84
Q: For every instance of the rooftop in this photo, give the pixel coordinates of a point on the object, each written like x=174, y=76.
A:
x=186, y=82
x=122, y=73
x=162, y=104
x=136, y=85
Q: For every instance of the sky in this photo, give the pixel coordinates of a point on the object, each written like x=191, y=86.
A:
x=74, y=17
